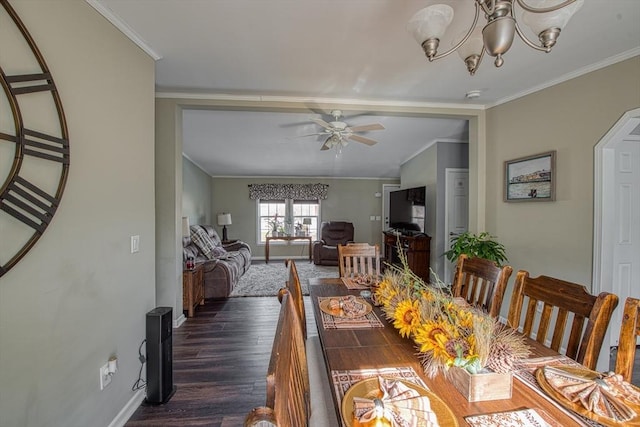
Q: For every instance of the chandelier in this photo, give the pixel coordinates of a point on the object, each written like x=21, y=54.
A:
x=546, y=19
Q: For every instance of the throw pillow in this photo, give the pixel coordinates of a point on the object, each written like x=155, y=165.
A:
x=202, y=240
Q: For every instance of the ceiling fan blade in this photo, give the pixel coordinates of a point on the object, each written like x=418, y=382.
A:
x=362, y=139
x=310, y=134
x=364, y=128
x=322, y=123
x=325, y=146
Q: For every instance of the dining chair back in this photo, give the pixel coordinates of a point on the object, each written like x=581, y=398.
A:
x=549, y=298
x=481, y=283
x=358, y=259
x=287, y=403
x=629, y=333
x=295, y=289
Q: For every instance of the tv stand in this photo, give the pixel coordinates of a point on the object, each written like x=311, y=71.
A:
x=417, y=249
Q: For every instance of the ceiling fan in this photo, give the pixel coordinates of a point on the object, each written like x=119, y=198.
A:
x=339, y=133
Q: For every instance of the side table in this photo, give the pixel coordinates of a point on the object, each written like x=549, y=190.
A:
x=192, y=289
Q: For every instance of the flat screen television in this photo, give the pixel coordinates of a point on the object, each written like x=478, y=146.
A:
x=407, y=210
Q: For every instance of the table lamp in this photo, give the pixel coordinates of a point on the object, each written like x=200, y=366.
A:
x=224, y=219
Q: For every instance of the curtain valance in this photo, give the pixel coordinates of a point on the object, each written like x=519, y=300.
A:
x=288, y=191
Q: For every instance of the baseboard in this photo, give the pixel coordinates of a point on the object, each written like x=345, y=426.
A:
x=179, y=321
x=128, y=410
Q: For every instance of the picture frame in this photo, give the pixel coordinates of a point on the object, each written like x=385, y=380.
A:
x=530, y=178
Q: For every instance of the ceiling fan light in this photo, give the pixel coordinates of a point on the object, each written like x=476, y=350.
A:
x=430, y=22
x=558, y=19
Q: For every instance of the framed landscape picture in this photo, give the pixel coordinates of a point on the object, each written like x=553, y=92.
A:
x=531, y=178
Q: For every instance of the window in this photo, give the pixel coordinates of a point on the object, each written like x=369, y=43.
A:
x=288, y=217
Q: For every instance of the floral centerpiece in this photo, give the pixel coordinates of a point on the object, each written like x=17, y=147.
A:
x=446, y=332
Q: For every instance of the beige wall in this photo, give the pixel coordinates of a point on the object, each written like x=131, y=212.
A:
x=350, y=200
x=555, y=238
x=79, y=295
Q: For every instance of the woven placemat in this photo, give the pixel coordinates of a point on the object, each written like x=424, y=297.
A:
x=351, y=284
x=369, y=320
x=343, y=380
x=525, y=417
x=525, y=372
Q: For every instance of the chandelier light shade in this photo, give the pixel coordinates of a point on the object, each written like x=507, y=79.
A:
x=546, y=18
x=224, y=219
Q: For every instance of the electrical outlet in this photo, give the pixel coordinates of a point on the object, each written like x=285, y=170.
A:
x=105, y=377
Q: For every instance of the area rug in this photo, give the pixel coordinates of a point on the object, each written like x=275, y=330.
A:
x=262, y=280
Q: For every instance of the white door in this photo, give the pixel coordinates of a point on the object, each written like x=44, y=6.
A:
x=626, y=231
x=386, y=189
x=616, y=222
x=456, y=216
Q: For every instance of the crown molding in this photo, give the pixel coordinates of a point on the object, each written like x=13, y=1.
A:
x=124, y=28
x=351, y=102
x=577, y=73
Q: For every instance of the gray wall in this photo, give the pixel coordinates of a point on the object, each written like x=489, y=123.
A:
x=79, y=295
x=428, y=169
x=196, y=194
x=350, y=200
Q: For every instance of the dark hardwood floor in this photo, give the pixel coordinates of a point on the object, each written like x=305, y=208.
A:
x=220, y=360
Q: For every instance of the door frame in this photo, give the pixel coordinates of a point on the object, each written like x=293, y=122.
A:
x=601, y=269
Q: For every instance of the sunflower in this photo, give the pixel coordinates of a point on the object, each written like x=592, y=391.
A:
x=407, y=317
x=465, y=319
x=434, y=337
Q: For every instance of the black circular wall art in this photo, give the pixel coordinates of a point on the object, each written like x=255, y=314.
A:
x=34, y=142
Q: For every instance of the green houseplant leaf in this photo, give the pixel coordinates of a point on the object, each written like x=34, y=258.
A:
x=480, y=245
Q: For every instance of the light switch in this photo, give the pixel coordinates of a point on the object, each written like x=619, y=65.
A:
x=378, y=217
x=135, y=244
x=372, y=218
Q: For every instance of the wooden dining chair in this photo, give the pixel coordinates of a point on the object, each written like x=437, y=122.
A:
x=358, y=258
x=481, y=283
x=287, y=403
x=589, y=315
x=295, y=289
x=629, y=333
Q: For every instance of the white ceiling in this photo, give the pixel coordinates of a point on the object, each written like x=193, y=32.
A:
x=334, y=52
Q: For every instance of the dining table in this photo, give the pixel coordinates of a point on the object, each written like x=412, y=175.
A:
x=381, y=347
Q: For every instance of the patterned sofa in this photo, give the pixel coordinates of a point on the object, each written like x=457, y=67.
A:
x=223, y=264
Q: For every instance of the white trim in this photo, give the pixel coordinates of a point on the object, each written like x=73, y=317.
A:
x=128, y=410
x=602, y=267
x=572, y=75
x=179, y=321
x=304, y=101
x=598, y=196
x=124, y=28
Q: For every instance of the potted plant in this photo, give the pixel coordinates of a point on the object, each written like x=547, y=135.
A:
x=274, y=224
x=481, y=245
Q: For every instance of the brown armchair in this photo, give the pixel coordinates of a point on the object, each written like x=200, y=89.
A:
x=332, y=234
